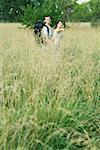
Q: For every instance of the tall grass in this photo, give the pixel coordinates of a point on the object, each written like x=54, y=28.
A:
x=49, y=100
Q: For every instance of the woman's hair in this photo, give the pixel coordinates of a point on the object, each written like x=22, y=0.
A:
x=58, y=22
x=62, y=22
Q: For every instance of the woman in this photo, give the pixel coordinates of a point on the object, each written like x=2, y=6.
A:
x=58, y=33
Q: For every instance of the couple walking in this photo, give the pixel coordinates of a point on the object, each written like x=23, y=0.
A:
x=52, y=36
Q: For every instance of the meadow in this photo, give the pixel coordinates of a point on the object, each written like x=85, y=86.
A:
x=49, y=99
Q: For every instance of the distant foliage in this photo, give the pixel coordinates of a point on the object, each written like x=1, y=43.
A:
x=95, y=23
x=29, y=11
x=56, y=9
x=81, y=13
x=95, y=10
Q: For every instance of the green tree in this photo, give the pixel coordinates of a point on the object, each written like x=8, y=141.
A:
x=57, y=9
x=81, y=13
x=95, y=11
x=10, y=10
x=29, y=11
x=95, y=8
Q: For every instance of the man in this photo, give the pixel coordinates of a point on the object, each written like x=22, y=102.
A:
x=47, y=31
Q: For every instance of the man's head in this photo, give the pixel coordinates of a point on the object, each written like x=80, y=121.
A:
x=48, y=20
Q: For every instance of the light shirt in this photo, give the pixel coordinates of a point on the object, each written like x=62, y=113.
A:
x=45, y=31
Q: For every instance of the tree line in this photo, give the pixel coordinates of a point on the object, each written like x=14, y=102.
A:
x=29, y=11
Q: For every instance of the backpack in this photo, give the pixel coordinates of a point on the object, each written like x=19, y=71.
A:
x=37, y=30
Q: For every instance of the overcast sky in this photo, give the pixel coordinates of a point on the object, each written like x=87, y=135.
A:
x=82, y=1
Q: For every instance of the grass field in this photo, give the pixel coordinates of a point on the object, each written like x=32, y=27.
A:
x=49, y=100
